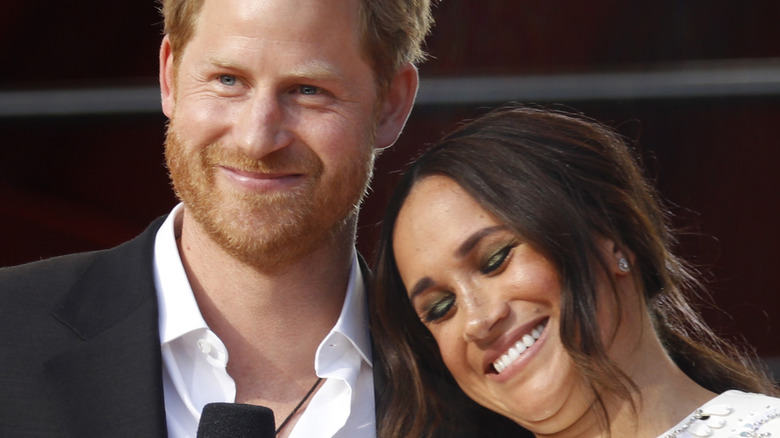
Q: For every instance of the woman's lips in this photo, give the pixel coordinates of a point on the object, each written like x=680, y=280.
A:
x=516, y=351
x=518, y=342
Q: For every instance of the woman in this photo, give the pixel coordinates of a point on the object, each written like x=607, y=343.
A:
x=526, y=257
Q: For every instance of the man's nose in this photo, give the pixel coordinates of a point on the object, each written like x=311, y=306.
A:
x=259, y=128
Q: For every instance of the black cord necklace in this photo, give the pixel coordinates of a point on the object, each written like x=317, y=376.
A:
x=303, y=400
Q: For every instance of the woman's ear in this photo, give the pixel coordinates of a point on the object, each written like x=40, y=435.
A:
x=619, y=259
x=396, y=106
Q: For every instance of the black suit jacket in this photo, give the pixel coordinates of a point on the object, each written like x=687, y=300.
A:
x=80, y=346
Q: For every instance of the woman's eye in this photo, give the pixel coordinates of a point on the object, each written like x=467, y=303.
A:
x=439, y=309
x=496, y=260
x=308, y=90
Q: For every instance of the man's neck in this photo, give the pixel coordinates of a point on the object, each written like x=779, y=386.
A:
x=271, y=323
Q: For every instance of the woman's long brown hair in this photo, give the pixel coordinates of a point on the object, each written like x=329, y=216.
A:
x=558, y=180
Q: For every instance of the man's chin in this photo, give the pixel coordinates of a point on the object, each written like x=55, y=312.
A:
x=259, y=238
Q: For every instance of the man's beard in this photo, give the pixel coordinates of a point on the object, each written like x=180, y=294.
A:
x=269, y=231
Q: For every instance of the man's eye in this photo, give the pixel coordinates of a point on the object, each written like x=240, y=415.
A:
x=439, y=309
x=228, y=80
x=309, y=90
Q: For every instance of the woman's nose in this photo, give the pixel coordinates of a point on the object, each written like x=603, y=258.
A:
x=482, y=317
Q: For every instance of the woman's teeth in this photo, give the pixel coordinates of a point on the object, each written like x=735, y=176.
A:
x=518, y=349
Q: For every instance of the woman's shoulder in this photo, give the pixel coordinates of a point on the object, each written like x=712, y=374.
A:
x=732, y=414
x=749, y=400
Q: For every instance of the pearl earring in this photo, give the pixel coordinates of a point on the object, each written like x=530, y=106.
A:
x=623, y=265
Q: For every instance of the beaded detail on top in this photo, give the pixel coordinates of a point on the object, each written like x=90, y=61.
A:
x=750, y=426
x=723, y=420
x=702, y=422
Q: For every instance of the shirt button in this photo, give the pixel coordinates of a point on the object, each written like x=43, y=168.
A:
x=204, y=346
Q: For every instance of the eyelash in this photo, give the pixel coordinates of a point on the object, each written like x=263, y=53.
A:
x=307, y=90
x=495, y=261
x=439, y=309
x=316, y=90
x=224, y=78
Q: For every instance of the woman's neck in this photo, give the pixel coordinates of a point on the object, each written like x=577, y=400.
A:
x=662, y=396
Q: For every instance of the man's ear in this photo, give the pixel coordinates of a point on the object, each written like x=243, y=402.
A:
x=167, y=92
x=396, y=105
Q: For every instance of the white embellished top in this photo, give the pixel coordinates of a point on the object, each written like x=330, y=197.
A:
x=732, y=414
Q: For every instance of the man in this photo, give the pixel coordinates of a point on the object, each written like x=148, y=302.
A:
x=250, y=290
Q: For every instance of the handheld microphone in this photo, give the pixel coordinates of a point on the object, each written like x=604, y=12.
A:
x=236, y=420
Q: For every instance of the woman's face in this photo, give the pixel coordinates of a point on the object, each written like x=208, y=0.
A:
x=492, y=302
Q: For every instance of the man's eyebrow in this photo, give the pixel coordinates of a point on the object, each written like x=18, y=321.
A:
x=315, y=70
x=472, y=241
x=420, y=286
x=223, y=62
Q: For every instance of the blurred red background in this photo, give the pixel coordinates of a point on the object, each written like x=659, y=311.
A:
x=695, y=84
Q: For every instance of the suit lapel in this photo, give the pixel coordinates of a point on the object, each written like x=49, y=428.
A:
x=111, y=380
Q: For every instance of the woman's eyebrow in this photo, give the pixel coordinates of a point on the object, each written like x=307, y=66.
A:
x=420, y=286
x=463, y=249
x=472, y=241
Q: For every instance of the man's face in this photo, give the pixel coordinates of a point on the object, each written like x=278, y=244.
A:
x=273, y=119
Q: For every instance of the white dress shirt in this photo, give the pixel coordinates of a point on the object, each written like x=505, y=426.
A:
x=194, y=358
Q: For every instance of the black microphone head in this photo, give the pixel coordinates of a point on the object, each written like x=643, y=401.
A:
x=236, y=420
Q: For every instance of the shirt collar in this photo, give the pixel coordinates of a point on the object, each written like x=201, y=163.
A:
x=176, y=293
x=353, y=320
x=179, y=312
